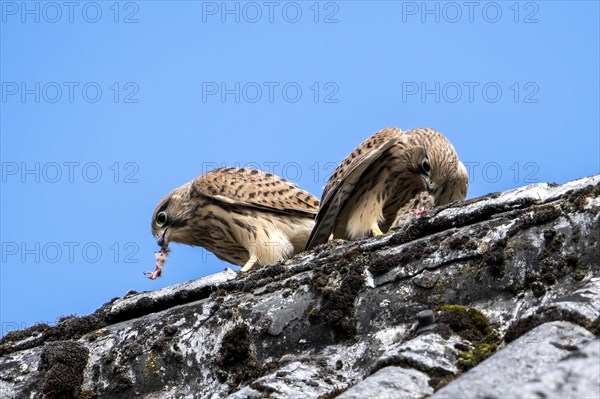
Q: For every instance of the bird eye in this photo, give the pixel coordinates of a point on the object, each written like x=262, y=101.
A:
x=426, y=166
x=161, y=219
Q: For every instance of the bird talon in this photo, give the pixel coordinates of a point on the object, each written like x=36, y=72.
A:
x=251, y=262
x=377, y=231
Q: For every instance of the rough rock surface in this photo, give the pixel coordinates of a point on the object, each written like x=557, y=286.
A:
x=525, y=360
x=513, y=280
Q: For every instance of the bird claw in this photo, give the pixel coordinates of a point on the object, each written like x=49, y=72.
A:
x=376, y=231
x=249, y=264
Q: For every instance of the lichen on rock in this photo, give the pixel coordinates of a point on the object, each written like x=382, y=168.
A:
x=429, y=310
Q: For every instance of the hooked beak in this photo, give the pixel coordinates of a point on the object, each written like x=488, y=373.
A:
x=161, y=240
x=429, y=185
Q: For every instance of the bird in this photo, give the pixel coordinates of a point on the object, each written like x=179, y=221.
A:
x=244, y=216
x=371, y=190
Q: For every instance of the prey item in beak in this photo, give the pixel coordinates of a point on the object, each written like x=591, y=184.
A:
x=161, y=258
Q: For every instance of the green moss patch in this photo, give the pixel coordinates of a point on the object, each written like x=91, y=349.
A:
x=471, y=325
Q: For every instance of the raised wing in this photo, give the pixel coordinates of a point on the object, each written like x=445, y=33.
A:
x=345, y=178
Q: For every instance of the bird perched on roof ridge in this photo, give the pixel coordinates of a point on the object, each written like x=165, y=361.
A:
x=381, y=176
x=244, y=216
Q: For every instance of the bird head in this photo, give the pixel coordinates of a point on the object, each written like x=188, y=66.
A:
x=426, y=174
x=420, y=167
x=170, y=221
x=444, y=176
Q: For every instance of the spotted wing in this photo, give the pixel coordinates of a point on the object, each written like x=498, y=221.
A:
x=345, y=178
x=257, y=189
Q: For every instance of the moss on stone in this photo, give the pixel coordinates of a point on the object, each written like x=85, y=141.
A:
x=64, y=363
x=235, y=346
x=471, y=325
x=577, y=200
x=220, y=292
x=485, y=350
x=494, y=257
x=467, y=322
x=87, y=395
x=469, y=359
x=337, y=305
x=150, y=364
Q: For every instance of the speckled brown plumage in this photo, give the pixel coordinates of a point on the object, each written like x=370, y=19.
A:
x=252, y=187
x=366, y=152
x=381, y=177
x=244, y=216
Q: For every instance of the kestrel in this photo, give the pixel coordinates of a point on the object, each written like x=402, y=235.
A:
x=244, y=216
x=371, y=190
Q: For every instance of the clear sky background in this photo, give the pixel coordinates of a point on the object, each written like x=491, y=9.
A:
x=107, y=106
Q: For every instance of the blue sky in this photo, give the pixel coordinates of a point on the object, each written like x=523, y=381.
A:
x=106, y=107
